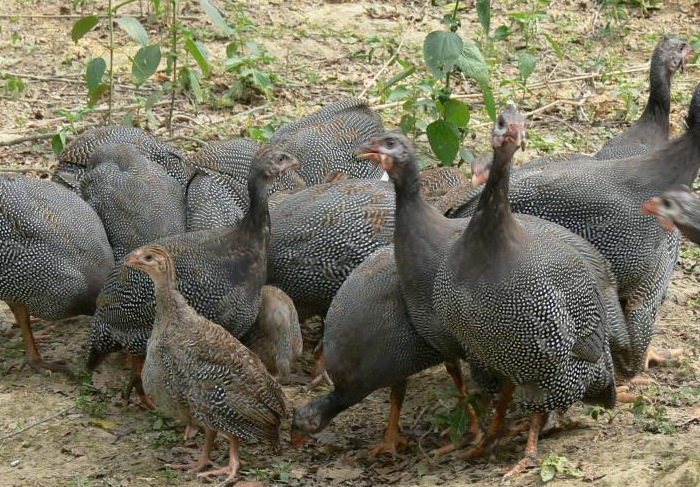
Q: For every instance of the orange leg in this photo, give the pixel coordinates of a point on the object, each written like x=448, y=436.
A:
x=233, y=463
x=21, y=314
x=392, y=438
x=321, y=374
x=496, y=427
x=203, y=460
x=536, y=421
x=136, y=383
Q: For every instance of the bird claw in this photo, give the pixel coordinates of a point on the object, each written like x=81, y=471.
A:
x=520, y=467
x=390, y=446
x=320, y=378
x=47, y=368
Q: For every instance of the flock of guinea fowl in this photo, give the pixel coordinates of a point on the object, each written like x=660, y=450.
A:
x=546, y=279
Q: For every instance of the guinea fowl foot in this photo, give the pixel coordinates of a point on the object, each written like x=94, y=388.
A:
x=391, y=446
x=536, y=422
x=44, y=367
x=233, y=463
x=520, y=467
x=320, y=379
x=661, y=357
x=392, y=438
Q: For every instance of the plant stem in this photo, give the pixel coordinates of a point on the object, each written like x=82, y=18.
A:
x=110, y=13
x=173, y=56
x=454, y=12
x=125, y=2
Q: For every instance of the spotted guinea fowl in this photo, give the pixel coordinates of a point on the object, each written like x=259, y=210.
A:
x=276, y=336
x=322, y=233
x=529, y=300
x=367, y=347
x=605, y=211
x=326, y=140
x=651, y=130
x=74, y=159
x=54, y=255
x=199, y=373
x=220, y=272
x=134, y=197
x=435, y=182
x=677, y=207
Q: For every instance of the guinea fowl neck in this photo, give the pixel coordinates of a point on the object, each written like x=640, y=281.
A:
x=257, y=220
x=165, y=283
x=659, y=103
x=407, y=185
x=493, y=210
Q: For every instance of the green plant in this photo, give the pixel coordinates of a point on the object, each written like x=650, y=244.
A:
x=455, y=420
x=90, y=400
x=13, y=86
x=652, y=418
x=554, y=465
x=278, y=472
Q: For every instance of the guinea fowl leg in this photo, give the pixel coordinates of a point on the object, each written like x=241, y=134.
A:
x=321, y=374
x=136, y=383
x=233, y=462
x=392, y=438
x=536, y=421
x=661, y=357
x=204, y=461
x=455, y=370
x=21, y=314
x=496, y=427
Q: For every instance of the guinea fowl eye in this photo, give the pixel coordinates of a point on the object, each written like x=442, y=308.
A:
x=666, y=203
x=148, y=258
x=390, y=143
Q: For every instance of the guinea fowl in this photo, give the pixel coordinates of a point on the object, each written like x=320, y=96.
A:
x=134, y=197
x=605, y=211
x=73, y=160
x=677, y=207
x=220, y=272
x=651, y=130
x=367, y=347
x=435, y=182
x=54, y=255
x=326, y=140
x=276, y=336
x=529, y=300
x=199, y=373
x=322, y=233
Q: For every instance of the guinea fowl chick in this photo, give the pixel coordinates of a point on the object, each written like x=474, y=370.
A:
x=276, y=334
x=75, y=157
x=677, y=207
x=54, y=255
x=530, y=301
x=198, y=373
x=136, y=199
x=435, y=182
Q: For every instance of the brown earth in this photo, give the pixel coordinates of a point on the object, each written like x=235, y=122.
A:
x=56, y=432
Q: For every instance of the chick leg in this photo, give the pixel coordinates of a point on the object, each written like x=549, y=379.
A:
x=21, y=314
x=136, y=383
x=233, y=463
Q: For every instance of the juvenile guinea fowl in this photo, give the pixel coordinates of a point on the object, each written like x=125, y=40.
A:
x=54, y=255
x=435, y=182
x=197, y=372
x=326, y=140
x=369, y=343
x=276, y=335
x=529, y=300
x=134, y=197
x=322, y=233
x=651, y=130
x=73, y=160
x=677, y=207
x=220, y=272
x=605, y=211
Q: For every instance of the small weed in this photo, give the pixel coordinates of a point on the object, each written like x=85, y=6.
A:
x=277, y=472
x=82, y=481
x=91, y=400
x=170, y=474
x=456, y=419
x=554, y=465
x=652, y=418
x=12, y=87
x=19, y=425
x=598, y=412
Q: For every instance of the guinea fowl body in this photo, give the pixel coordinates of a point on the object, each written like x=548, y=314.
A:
x=136, y=199
x=368, y=342
x=322, y=233
x=276, y=335
x=54, y=252
x=220, y=272
x=651, y=130
x=199, y=373
x=677, y=207
x=325, y=141
x=605, y=211
x=75, y=158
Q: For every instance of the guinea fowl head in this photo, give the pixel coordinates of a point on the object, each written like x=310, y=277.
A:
x=307, y=419
x=509, y=132
x=392, y=151
x=673, y=54
x=154, y=260
x=672, y=207
x=269, y=162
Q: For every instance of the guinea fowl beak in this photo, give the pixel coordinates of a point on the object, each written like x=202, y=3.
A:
x=652, y=207
x=132, y=260
x=516, y=133
x=479, y=178
x=373, y=151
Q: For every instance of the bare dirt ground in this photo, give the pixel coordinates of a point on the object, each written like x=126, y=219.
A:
x=54, y=431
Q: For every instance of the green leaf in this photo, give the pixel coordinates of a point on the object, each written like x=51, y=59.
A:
x=145, y=63
x=215, y=16
x=399, y=93
x=200, y=54
x=472, y=63
x=134, y=28
x=94, y=72
x=95, y=95
x=555, y=45
x=407, y=123
x=444, y=140
x=82, y=26
x=259, y=78
x=548, y=472
x=489, y=101
x=194, y=85
x=441, y=50
x=58, y=142
x=526, y=62
x=398, y=77
x=483, y=10
x=152, y=100
x=456, y=112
